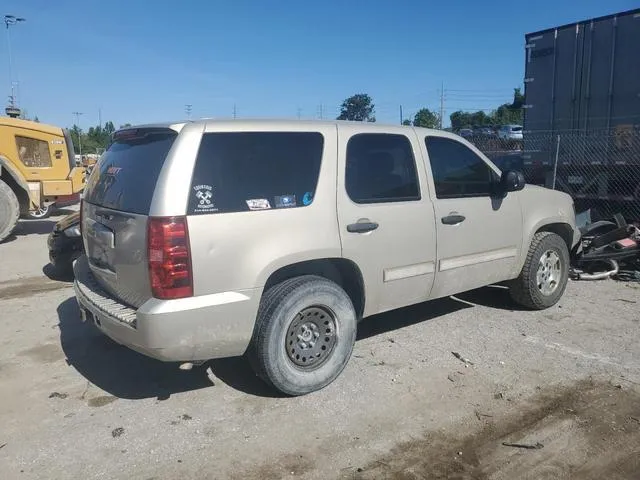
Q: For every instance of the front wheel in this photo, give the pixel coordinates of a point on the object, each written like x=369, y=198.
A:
x=304, y=334
x=545, y=273
x=9, y=210
x=44, y=211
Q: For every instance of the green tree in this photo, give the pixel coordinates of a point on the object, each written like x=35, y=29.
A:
x=125, y=125
x=426, y=118
x=36, y=119
x=109, y=128
x=406, y=122
x=460, y=119
x=358, y=108
x=479, y=119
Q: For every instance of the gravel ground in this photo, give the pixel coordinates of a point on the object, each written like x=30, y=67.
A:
x=565, y=380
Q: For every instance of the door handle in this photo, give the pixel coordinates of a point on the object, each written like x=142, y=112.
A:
x=362, y=227
x=453, y=219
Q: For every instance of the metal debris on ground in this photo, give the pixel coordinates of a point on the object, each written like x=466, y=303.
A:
x=117, y=432
x=479, y=415
x=527, y=446
x=461, y=358
x=608, y=249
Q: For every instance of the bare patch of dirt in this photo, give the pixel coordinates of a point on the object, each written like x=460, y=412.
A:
x=287, y=466
x=25, y=287
x=588, y=431
x=101, y=401
x=45, y=353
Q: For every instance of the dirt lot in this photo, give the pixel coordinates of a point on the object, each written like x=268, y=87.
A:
x=566, y=381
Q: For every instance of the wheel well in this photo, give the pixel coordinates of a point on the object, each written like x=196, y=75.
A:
x=23, y=197
x=339, y=270
x=564, y=230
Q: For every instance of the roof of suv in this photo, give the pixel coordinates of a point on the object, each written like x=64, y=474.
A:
x=179, y=125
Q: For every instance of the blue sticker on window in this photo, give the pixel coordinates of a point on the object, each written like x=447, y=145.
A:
x=307, y=198
x=285, y=201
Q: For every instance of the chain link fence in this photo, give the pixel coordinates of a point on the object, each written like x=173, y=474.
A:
x=599, y=169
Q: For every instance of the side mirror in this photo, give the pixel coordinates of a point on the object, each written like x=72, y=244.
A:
x=512, y=181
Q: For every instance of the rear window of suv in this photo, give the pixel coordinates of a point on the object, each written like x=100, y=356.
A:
x=246, y=171
x=126, y=175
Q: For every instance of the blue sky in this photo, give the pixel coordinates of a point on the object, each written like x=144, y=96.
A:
x=143, y=61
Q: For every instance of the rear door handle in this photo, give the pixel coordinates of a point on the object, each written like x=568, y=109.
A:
x=362, y=227
x=453, y=219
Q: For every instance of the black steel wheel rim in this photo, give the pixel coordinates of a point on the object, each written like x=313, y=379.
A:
x=311, y=337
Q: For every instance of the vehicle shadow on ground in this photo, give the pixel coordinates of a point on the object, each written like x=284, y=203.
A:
x=116, y=369
x=52, y=273
x=493, y=296
x=31, y=227
x=126, y=374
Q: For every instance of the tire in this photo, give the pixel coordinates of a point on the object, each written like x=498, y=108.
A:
x=9, y=210
x=277, y=352
x=535, y=288
x=42, y=213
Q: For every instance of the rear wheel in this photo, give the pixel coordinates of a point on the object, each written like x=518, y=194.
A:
x=9, y=210
x=545, y=273
x=304, y=335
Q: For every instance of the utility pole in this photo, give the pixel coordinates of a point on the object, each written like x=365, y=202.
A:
x=441, y=105
x=12, y=110
x=100, y=118
x=187, y=110
x=299, y=113
x=401, y=117
x=235, y=112
x=320, y=111
x=77, y=115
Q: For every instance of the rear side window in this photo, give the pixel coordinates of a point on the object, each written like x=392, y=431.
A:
x=245, y=171
x=128, y=171
x=33, y=153
x=381, y=168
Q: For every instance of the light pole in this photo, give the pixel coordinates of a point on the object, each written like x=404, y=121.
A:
x=10, y=20
x=77, y=115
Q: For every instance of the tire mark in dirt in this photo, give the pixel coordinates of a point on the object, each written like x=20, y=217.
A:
x=25, y=287
x=587, y=432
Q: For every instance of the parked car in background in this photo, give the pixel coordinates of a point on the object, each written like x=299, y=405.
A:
x=465, y=132
x=273, y=239
x=510, y=132
x=65, y=244
x=484, y=132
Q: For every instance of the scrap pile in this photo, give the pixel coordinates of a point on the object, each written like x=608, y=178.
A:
x=609, y=249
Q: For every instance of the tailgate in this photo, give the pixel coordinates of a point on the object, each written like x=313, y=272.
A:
x=115, y=211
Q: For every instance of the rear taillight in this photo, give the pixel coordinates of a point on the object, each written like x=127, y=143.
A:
x=169, y=258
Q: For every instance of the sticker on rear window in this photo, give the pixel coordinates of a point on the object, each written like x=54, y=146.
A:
x=307, y=198
x=285, y=201
x=204, y=194
x=258, y=204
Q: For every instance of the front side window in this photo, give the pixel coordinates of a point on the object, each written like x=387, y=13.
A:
x=381, y=168
x=33, y=153
x=246, y=171
x=457, y=170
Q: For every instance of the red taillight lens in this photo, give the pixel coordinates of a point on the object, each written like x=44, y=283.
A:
x=169, y=258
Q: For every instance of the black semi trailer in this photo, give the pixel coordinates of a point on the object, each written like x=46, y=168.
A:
x=582, y=111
